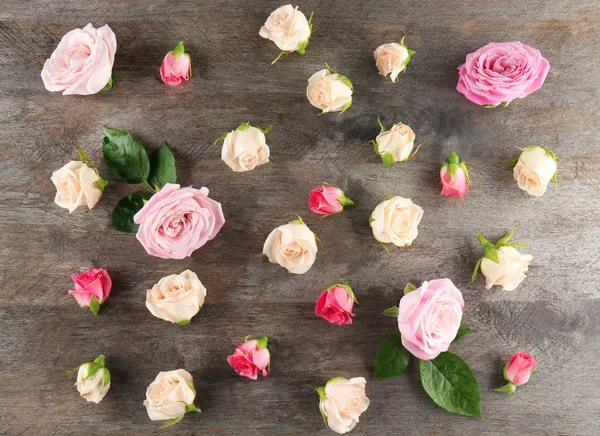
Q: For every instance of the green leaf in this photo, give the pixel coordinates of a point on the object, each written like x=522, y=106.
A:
x=393, y=311
x=507, y=388
x=391, y=358
x=94, y=305
x=387, y=159
x=105, y=377
x=451, y=384
x=162, y=167
x=463, y=331
x=122, y=216
x=409, y=288
x=171, y=422
x=125, y=156
x=183, y=322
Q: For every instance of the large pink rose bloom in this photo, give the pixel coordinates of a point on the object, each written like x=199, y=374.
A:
x=500, y=72
x=430, y=317
x=175, y=222
x=82, y=62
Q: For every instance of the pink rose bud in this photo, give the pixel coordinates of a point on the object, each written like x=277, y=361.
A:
x=455, y=177
x=251, y=357
x=176, y=66
x=335, y=304
x=517, y=371
x=328, y=200
x=92, y=288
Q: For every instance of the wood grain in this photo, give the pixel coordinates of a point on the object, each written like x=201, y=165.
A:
x=553, y=314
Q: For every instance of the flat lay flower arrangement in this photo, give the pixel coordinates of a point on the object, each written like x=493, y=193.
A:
x=172, y=221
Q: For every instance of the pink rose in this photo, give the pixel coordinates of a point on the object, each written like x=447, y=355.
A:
x=328, y=200
x=92, y=288
x=250, y=358
x=176, y=66
x=82, y=62
x=519, y=368
x=175, y=222
x=455, y=177
x=429, y=318
x=335, y=304
x=500, y=72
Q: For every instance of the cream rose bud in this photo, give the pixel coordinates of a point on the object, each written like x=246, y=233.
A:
x=245, y=148
x=342, y=402
x=176, y=298
x=395, y=221
x=93, y=380
x=509, y=271
x=391, y=59
x=76, y=185
x=395, y=144
x=293, y=246
x=288, y=28
x=329, y=91
x=534, y=169
x=170, y=396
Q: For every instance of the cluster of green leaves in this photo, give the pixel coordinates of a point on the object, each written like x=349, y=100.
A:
x=93, y=367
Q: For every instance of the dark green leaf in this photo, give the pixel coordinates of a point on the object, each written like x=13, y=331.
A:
x=391, y=358
x=125, y=156
x=393, y=311
x=162, y=167
x=463, y=331
x=122, y=217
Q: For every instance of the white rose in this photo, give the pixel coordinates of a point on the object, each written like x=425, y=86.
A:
x=329, y=91
x=76, y=186
x=170, y=395
x=391, y=59
x=342, y=402
x=176, y=298
x=244, y=150
x=534, y=170
x=509, y=271
x=293, y=246
x=396, y=220
x=288, y=28
x=398, y=141
x=95, y=386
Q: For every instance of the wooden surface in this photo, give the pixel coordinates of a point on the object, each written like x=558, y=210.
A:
x=553, y=314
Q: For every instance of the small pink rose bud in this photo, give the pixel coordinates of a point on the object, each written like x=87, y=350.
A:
x=250, y=358
x=455, y=177
x=328, y=200
x=92, y=288
x=335, y=304
x=517, y=371
x=176, y=66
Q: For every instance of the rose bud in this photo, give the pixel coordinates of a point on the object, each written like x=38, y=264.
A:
x=328, y=200
x=93, y=380
x=329, y=91
x=251, y=357
x=170, y=396
x=502, y=265
x=176, y=66
x=455, y=177
x=293, y=246
x=92, y=288
x=176, y=298
x=395, y=220
x=245, y=148
x=395, y=144
x=341, y=402
x=392, y=59
x=534, y=168
x=289, y=29
x=517, y=371
x=335, y=304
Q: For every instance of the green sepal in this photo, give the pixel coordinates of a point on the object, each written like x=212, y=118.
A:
x=100, y=183
x=321, y=391
x=109, y=84
x=512, y=162
x=179, y=50
x=243, y=127
x=105, y=377
x=346, y=107
x=191, y=408
x=267, y=130
x=385, y=247
x=262, y=342
x=279, y=56
x=410, y=52
x=553, y=156
x=345, y=201
x=345, y=81
x=302, y=47
x=392, y=312
x=221, y=138
x=505, y=104
x=388, y=197
x=452, y=169
x=349, y=290
x=298, y=221
x=412, y=154
x=383, y=129
x=490, y=106
x=504, y=240
x=371, y=219
x=463, y=330
x=508, y=388
x=387, y=159
x=171, y=422
x=476, y=269
x=183, y=322
x=466, y=171
x=100, y=360
x=409, y=288
x=94, y=305
x=372, y=141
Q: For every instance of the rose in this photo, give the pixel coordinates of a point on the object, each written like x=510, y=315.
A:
x=177, y=297
x=250, y=358
x=395, y=144
x=329, y=91
x=328, y=200
x=76, y=185
x=82, y=62
x=429, y=318
x=395, y=220
x=245, y=148
x=500, y=72
x=176, y=66
x=170, y=396
x=335, y=304
x=93, y=380
x=534, y=169
x=288, y=28
x=342, y=402
x=508, y=272
x=455, y=177
x=92, y=288
x=392, y=59
x=293, y=246
x=176, y=222
x=517, y=371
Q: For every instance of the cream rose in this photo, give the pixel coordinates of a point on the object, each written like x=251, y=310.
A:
x=329, y=91
x=76, y=185
x=171, y=395
x=342, y=402
x=392, y=59
x=395, y=144
x=509, y=271
x=176, y=298
x=395, y=220
x=288, y=28
x=534, y=169
x=245, y=148
x=93, y=380
x=293, y=246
